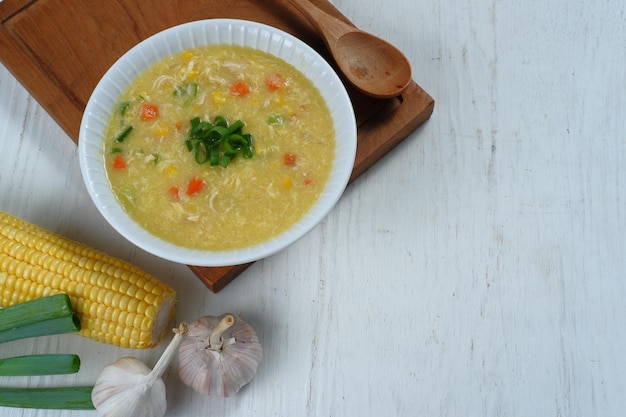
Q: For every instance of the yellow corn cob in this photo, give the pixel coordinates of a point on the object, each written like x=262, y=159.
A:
x=117, y=303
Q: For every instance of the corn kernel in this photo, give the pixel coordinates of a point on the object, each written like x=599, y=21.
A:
x=132, y=305
x=170, y=170
x=124, y=286
x=129, y=322
x=132, y=290
x=134, y=337
x=115, y=314
x=218, y=98
x=121, y=317
x=138, y=322
x=279, y=99
x=162, y=131
x=124, y=303
x=287, y=183
x=150, y=298
x=141, y=307
x=144, y=325
x=140, y=293
x=39, y=291
x=151, y=311
x=148, y=286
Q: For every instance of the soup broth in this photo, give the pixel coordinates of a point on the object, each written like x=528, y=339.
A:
x=159, y=180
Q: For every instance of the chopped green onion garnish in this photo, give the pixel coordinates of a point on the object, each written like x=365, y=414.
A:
x=123, y=107
x=117, y=150
x=186, y=90
x=201, y=152
x=122, y=136
x=247, y=150
x=217, y=142
x=275, y=120
x=235, y=127
x=220, y=121
x=225, y=161
x=215, y=155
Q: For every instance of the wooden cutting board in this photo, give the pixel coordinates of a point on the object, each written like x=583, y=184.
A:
x=59, y=50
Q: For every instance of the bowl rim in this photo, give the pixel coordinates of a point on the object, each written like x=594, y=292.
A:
x=187, y=35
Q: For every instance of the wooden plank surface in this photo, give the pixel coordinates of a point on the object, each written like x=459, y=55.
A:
x=60, y=49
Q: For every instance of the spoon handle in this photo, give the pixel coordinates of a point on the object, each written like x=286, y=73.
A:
x=329, y=26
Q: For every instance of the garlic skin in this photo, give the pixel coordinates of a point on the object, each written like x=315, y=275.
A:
x=129, y=388
x=219, y=355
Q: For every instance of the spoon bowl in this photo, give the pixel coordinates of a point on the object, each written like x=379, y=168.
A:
x=372, y=65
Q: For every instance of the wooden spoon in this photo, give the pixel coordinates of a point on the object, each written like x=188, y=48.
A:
x=372, y=65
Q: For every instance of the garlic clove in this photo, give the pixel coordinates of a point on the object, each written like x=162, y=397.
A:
x=219, y=356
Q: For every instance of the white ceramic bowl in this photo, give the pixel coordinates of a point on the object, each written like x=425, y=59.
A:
x=194, y=34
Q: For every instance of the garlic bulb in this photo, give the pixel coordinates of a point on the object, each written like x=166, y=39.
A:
x=219, y=356
x=129, y=388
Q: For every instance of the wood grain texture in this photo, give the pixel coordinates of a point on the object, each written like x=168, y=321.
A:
x=476, y=270
x=47, y=40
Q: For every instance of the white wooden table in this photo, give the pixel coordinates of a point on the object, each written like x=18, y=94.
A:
x=477, y=270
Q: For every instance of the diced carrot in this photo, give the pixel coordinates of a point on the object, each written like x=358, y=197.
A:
x=119, y=162
x=195, y=186
x=289, y=159
x=308, y=181
x=174, y=193
x=149, y=112
x=178, y=126
x=240, y=89
x=274, y=82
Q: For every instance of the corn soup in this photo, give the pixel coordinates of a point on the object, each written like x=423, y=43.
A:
x=271, y=162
